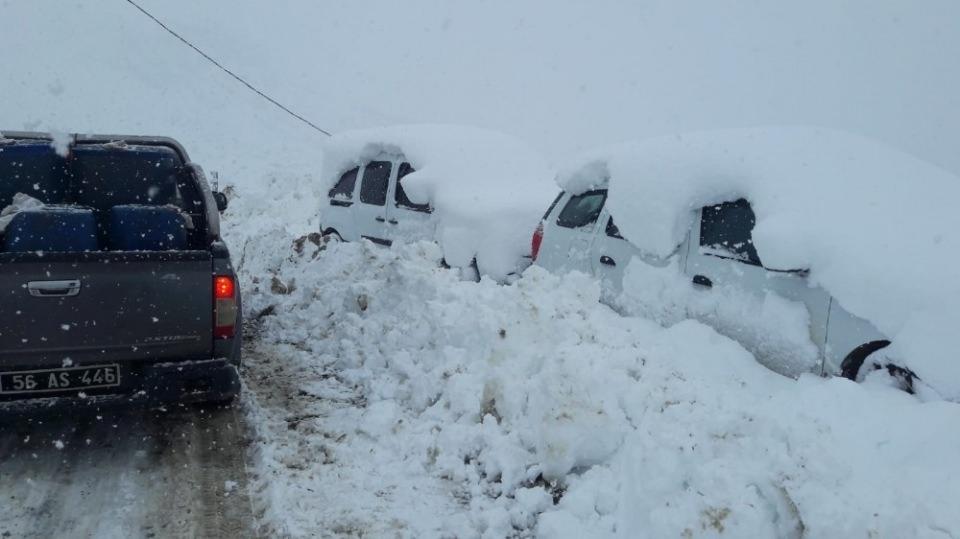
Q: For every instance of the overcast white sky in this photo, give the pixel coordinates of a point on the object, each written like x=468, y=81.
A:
x=564, y=75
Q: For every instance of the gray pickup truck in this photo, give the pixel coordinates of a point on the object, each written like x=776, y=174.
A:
x=115, y=285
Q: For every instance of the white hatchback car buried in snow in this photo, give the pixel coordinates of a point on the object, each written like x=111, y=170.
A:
x=837, y=254
x=578, y=233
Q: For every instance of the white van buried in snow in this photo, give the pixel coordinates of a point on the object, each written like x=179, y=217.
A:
x=814, y=249
x=476, y=193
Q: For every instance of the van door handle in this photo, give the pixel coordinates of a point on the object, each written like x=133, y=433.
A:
x=702, y=280
x=54, y=289
x=607, y=260
x=393, y=222
x=380, y=220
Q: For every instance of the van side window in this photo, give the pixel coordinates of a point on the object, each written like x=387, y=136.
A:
x=400, y=197
x=726, y=231
x=612, y=230
x=344, y=188
x=373, y=187
x=583, y=209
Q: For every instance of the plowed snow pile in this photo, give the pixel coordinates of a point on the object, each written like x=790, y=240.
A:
x=392, y=398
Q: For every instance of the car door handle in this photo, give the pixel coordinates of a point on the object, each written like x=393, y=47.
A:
x=608, y=261
x=393, y=222
x=380, y=220
x=54, y=289
x=702, y=280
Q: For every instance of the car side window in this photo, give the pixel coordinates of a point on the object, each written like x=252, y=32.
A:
x=373, y=187
x=553, y=205
x=726, y=231
x=612, y=230
x=343, y=190
x=400, y=197
x=583, y=209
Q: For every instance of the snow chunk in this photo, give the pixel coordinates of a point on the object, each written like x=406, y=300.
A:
x=872, y=224
x=488, y=190
x=21, y=202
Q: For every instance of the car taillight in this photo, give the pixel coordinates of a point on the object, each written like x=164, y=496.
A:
x=224, y=307
x=536, y=241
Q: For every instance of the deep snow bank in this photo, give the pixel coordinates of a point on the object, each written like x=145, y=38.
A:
x=873, y=225
x=487, y=189
x=467, y=409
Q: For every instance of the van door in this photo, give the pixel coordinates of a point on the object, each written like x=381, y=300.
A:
x=721, y=253
x=371, y=212
x=340, y=213
x=567, y=239
x=407, y=220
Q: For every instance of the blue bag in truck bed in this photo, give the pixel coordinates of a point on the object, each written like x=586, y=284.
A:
x=146, y=228
x=52, y=229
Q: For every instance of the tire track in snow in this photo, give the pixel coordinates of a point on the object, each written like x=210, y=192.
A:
x=125, y=474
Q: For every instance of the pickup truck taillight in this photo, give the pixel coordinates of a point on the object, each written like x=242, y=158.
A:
x=224, y=307
x=536, y=241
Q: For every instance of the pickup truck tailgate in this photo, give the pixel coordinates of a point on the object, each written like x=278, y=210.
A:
x=104, y=307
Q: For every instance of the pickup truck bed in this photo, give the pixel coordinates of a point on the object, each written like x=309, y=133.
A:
x=121, y=286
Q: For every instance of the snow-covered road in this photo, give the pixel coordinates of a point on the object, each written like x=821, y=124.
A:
x=126, y=474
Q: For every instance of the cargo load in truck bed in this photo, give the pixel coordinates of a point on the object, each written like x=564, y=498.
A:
x=115, y=266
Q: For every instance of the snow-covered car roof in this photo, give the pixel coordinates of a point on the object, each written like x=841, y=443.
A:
x=876, y=227
x=488, y=189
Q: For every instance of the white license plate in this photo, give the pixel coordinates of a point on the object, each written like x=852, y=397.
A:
x=55, y=380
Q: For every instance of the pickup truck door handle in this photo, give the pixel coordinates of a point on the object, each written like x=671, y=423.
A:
x=380, y=219
x=702, y=280
x=607, y=260
x=54, y=289
x=393, y=222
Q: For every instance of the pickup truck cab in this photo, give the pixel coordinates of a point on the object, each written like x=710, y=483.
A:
x=115, y=284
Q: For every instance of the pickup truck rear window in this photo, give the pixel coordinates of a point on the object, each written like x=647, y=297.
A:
x=104, y=177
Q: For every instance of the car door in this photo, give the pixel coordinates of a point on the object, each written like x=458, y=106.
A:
x=721, y=252
x=371, y=213
x=567, y=239
x=610, y=255
x=407, y=220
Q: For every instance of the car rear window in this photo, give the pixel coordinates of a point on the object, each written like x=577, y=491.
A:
x=373, y=187
x=726, y=231
x=583, y=209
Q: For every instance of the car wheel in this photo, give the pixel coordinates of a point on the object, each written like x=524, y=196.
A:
x=331, y=235
x=858, y=364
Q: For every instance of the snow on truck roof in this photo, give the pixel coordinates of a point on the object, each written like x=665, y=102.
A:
x=876, y=227
x=488, y=189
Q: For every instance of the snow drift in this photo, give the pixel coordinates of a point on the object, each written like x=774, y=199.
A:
x=874, y=226
x=487, y=189
x=410, y=403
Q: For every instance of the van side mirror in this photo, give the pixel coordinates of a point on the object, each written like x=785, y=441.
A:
x=221, y=200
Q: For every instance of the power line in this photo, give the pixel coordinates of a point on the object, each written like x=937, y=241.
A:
x=228, y=72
